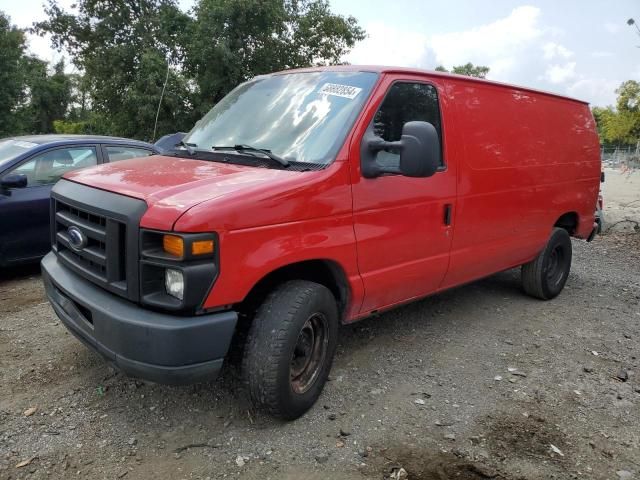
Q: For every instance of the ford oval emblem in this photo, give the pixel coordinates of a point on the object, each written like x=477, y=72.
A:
x=77, y=238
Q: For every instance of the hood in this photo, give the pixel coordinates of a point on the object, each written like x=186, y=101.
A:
x=170, y=186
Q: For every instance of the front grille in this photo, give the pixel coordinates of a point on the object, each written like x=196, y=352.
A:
x=102, y=259
x=109, y=227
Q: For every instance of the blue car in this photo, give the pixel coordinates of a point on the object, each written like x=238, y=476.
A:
x=29, y=166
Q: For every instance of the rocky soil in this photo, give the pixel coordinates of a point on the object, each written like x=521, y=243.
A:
x=479, y=382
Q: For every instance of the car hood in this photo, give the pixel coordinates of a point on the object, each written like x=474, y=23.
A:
x=170, y=186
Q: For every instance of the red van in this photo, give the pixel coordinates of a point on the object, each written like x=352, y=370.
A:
x=309, y=198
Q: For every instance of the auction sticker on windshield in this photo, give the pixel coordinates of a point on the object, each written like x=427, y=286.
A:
x=346, y=91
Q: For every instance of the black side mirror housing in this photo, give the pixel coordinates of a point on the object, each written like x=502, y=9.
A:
x=419, y=149
x=14, y=180
x=169, y=142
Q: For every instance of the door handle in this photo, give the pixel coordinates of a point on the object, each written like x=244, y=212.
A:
x=447, y=214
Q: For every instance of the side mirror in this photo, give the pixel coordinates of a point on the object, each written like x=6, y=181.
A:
x=169, y=142
x=419, y=149
x=14, y=180
x=602, y=176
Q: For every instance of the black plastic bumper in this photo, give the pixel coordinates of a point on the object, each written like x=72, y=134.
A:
x=142, y=343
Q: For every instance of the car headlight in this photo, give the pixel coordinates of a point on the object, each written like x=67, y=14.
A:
x=174, y=283
x=177, y=270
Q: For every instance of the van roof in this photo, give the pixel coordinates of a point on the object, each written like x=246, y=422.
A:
x=431, y=73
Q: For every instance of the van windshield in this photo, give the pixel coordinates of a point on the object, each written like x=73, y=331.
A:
x=300, y=117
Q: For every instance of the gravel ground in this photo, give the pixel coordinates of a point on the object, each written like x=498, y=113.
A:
x=621, y=192
x=479, y=382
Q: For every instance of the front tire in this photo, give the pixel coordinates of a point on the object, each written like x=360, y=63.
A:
x=290, y=348
x=546, y=275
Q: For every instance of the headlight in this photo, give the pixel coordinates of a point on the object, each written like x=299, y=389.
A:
x=174, y=283
x=177, y=269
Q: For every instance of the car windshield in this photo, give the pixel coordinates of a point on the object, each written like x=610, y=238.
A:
x=11, y=148
x=300, y=117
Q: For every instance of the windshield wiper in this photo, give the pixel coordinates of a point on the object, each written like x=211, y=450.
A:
x=189, y=147
x=247, y=148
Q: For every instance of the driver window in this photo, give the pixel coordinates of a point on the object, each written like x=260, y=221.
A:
x=405, y=102
x=47, y=168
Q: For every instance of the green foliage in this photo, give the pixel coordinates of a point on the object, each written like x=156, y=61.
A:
x=628, y=96
x=32, y=95
x=621, y=126
x=469, y=69
x=122, y=47
x=12, y=48
x=48, y=95
x=69, y=127
x=92, y=123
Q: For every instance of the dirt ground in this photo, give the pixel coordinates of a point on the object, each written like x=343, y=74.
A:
x=481, y=382
x=621, y=193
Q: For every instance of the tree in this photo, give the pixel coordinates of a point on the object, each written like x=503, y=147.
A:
x=628, y=96
x=32, y=95
x=469, y=69
x=621, y=125
x=124, y=49
x=12, y=50
x=231, y=41
x=47, y=95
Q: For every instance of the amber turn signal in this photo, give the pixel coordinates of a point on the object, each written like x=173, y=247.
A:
x=202, y=247
x=173, y=244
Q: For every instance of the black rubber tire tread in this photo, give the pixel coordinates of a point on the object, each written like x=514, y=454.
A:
x=534, y=279
x=270, y=342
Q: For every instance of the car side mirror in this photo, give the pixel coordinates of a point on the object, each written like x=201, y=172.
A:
x=14, y=180
x=419, y=149
x=169, y=142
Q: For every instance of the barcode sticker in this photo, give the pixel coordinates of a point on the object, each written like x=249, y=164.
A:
x=346, y=91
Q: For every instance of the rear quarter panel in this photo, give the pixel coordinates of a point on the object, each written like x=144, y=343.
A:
x=529, y=158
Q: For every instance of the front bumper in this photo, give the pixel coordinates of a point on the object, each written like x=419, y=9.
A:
x=142, y=343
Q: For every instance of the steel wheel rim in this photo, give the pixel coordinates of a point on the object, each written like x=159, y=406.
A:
x=555, y=263
x=309, y=353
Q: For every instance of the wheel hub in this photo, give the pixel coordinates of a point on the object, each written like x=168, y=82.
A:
x=309, y=353
x=555, y=268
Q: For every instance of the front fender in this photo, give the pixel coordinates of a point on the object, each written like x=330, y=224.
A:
x=249, y=255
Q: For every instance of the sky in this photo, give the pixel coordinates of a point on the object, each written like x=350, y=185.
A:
x=583, y=49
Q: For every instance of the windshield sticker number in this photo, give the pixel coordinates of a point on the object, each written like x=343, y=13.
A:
x=346, y=91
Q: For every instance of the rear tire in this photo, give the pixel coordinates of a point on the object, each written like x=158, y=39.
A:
x=546, y=275
x=290, y=348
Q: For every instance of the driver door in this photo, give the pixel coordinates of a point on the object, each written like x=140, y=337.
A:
x=25, y=211
x=403, y=225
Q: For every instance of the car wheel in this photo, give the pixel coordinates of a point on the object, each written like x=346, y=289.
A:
x=546, y=275
x=290, y=348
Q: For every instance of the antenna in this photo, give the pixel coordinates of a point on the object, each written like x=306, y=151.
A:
x=166, y=79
